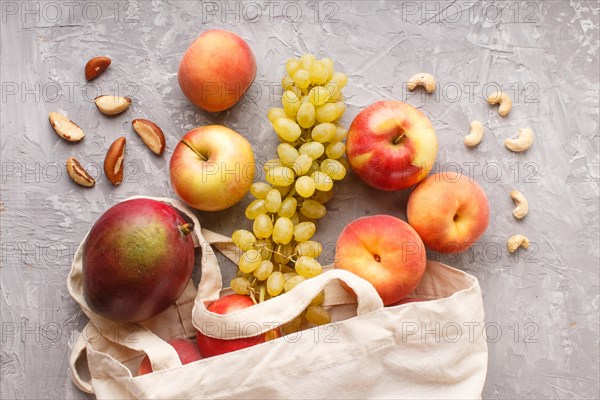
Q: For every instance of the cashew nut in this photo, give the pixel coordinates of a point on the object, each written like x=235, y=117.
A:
x=516, y=241
x=503, y=99
x=422, y=79
x=522, y=142
x=522, y=204
x=473, y=138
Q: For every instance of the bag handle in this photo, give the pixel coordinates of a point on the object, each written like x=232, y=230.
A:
x=78, y=350
x=279, y=310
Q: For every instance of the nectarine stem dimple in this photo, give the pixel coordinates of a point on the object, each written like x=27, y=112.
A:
x=377, y=257
x=192, y=149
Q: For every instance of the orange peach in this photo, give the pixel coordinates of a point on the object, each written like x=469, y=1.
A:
x=216, y=70
x=391, y=145
x=449, y=211
x=385, y=251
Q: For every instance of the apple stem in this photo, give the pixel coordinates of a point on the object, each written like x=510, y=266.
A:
x=399, y=139
x=186, y=229
x=192, y=149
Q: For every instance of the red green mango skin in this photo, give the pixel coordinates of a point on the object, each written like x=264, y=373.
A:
x=136, y=261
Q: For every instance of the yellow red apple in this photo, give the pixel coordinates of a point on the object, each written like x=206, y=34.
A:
x=450, y=212
x=385, y=251
x=186, y=349
x=216, y=70
x=391, y=145
x=210, y=346
x=212, y=168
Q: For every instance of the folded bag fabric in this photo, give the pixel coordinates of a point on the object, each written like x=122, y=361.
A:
x=426, y=349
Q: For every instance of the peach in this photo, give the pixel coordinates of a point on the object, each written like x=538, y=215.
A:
x=385, y=251
x=449, y=211
x=216, y=70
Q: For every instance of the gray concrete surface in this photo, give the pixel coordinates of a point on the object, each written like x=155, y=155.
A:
x=541, y=304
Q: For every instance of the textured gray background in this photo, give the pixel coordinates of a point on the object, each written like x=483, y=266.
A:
x=541, y=305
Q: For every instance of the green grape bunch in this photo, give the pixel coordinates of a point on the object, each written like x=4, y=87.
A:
x=278, y=253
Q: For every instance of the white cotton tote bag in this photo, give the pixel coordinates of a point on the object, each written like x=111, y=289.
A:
x=432, y=349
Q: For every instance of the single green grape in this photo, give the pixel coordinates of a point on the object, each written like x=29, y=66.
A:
x=317, y=315
x=287, y=154
x=303, y=231
x=291, y=103
x=334, y=169
x=313, y=149
x=255, y=208
x=335, y=150
x=312, y=209
x=319, y=95
x=243, y=239
x=263, y=271
x=305, y=186
x=283, y=230
x=307, y=60
x=292, y=282
x=275, y=283
x=302, y=164
x=309, y=248
x=340, y=134
x=287, y=129
x=307, y=267
x=323, y=132
x=302, y=78
x=275, y=113
x=319, y=300
x=288, y=207
x=260, y=190
x=318, y=72
x=273, y=200
x=249, y=261
x=306, y=115
x=280, y=176
x=322, y=181
x=240, y=285
x=262, y=227
x=292, y=65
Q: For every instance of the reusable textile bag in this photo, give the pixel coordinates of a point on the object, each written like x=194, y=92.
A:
x=424, y=349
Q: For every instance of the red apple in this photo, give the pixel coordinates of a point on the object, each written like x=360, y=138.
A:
x=210, y=346
x=216, y=70
x=137, y=260
x=449, y=211
x=391, y=145
x=385, y=251
x=212, y=167
x=186, y=349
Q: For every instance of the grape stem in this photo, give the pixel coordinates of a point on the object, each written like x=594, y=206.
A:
x=276, y=252
x=291, y=193
x=261, y=297
x=252, y=295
